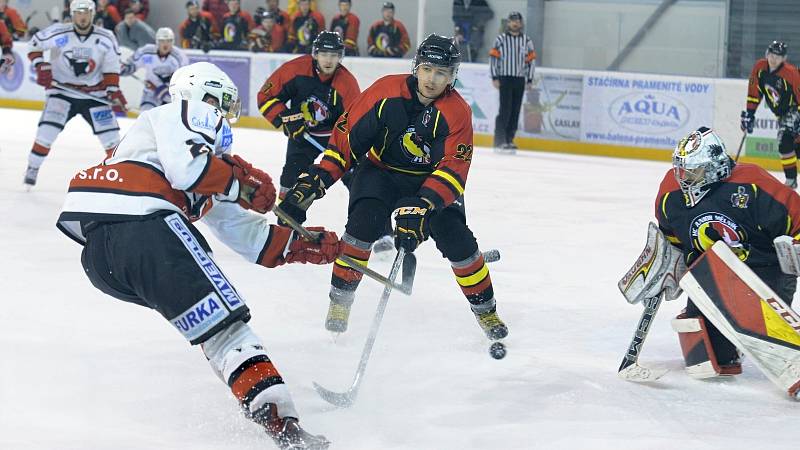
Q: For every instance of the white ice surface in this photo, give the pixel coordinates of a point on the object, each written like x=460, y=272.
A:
x=80, y=370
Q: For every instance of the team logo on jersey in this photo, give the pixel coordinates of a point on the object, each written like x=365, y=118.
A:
x=80, y=59
x=708, y=228
x=773, y=94
x=740, y=198
x=62, y=41
x=315, y=111
x=426, y=118
x=383, y=42
x=414, y=147
x=229, y=32
x=307, y=32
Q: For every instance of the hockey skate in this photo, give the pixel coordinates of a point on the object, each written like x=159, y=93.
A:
x=338, y=314
x=791, y=182
x=31, y=173
x=491, y=324
x=288, y=434
x=384, y=244
x=506, y=149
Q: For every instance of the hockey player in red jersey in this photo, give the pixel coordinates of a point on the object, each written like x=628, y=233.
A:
x=133, y=214
x=347, y=25
x=412, y=138
x=778, y=83
x=319, y=89
x=80, y=78
x=705, y=198
x=6, y=56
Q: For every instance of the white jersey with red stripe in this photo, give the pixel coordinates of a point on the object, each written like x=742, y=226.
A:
x=77, y=60
x=158, y=68
x=168, y=161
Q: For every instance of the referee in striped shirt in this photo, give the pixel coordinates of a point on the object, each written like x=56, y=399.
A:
x=512, y=62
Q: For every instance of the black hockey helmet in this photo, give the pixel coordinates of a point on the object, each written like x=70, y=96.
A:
x=777, y=48
x=438, y=51
x=388, y=5
x=328, y=41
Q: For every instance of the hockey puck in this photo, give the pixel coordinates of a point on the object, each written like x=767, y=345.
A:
x=498, y=350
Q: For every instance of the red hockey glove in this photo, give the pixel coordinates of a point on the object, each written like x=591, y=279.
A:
x=44, y=75
x=324, y=251
x=411, y=224
x=118, y=102
x=256, y=190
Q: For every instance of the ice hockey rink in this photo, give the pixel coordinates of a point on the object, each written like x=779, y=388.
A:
x=80, y=370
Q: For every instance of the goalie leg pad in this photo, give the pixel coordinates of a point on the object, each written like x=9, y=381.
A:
x=748, y=313
x=698, y=352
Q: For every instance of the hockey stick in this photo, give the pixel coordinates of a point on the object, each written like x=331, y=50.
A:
x=741, y=143
x=313, y=142
x=347, y=398
x=355, y=265
x=80, y=94
x=630, y=369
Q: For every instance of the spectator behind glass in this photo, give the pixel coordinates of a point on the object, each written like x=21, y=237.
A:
x=236, y=26
x=281, y=17
x=14, y=23
x=294, y=6
x=218, y=9
x=199, y=29
x=347, y=25
x=106, y=15
x=469, y=20
x=140, y=7
x=134, y=33
x=268, y=36
x=388, y=37
x=306, y=25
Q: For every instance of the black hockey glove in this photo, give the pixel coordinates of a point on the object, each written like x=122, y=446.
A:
x=308, y=187
x=748, y=120
x=411, y=222
x=294, y=125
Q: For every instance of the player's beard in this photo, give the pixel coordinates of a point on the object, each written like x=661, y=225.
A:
x=82, y=30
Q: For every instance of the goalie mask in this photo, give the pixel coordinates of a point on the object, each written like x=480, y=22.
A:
x=196, y=82
x=700, y=161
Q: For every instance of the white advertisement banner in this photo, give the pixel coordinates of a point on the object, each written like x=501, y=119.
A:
x=644, y=111
x=20, y=82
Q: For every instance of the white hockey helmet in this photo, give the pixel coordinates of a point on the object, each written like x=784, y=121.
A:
x=165, y=34
x=699, y=161
x=81, y=5
x=197, y=81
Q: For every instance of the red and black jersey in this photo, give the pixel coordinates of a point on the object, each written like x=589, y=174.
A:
x=388, y=123
x=321, y=99
x=304, y=29
x=198, y=31
x=14, y=23
x=747, y=211
x=5, y=39
x=235, y=30
x=347, y=26
x=780, y=89
x=270, y=41
x=388, y=40
x=281, y=17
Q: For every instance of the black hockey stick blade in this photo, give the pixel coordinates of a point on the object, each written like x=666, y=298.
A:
x=630, y=369
x=409, y=269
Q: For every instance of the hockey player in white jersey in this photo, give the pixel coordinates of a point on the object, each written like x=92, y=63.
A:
x=160, y=61
x=133, y=214
x=80, y=77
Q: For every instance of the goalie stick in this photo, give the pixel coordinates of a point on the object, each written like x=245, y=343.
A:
x=630, y=369
x=348, y=397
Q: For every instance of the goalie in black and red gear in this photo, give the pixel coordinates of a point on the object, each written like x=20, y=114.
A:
x=412, y=137
x=706, y=198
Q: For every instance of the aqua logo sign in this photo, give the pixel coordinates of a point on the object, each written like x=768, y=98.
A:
x=649, y=113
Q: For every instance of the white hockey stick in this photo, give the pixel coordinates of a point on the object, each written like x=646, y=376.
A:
x=630, y=369
x=347, y=398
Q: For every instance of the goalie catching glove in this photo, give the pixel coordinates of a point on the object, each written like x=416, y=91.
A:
x=256, y=190
x=657, y=270
x=411, y=224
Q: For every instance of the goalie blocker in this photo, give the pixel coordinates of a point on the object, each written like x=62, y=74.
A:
x=748, y=313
